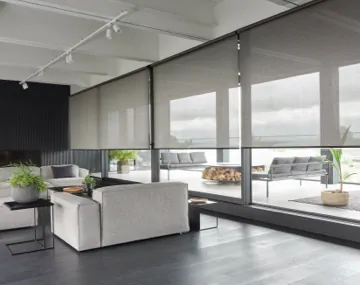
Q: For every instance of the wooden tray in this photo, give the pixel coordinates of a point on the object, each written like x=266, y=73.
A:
x=74, y=189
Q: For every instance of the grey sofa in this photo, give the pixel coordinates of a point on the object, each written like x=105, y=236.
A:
x=284, y=168
x=181, y=160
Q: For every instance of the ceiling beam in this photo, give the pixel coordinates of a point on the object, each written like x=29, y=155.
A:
x=59, y=32
x=60, y=49
x=201, y=11
x=51, y=76
x=150, y=19
x=28, y=56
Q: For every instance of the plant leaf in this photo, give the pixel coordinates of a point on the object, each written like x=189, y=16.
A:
x=348, y=176
x=344, y=137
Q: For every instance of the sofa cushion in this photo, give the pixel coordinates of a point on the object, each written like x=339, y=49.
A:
x=6, y=172
x=5, y=189
x=285, y=163
x=315, y=167
x=169, y=158
x=59, y=182
x=14, y=219
x=297, y=169
x=62, y=171
x=46, y=171
x=184, y=157
x=198, y=157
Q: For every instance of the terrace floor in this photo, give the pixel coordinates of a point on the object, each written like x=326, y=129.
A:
x=281, y=192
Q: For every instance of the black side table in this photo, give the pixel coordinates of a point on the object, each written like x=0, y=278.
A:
x=43, y=236
x=195, y=209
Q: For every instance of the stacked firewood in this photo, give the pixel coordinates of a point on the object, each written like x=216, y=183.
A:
x=220, y=173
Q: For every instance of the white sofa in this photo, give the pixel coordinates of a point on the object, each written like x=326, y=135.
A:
x=12, y=219
x=79, y=175
x=120, y=214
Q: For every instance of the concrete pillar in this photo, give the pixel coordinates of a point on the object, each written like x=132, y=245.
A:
x=222, y=124
x=246, y=122
x=329, y=116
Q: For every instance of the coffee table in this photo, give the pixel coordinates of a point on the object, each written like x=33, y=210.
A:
x=43, y=239
x=195, y=209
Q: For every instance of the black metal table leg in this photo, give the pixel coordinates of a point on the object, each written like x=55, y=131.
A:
x=194, y=220
x=43, y=235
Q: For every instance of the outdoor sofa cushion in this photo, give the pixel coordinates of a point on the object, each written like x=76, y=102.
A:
x=284, y=168
x=198, y=157
x=302, y=167
x=184, y=157
x=315, y=167
x=169, y=158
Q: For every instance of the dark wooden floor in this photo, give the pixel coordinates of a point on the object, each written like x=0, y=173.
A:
x=235, y=253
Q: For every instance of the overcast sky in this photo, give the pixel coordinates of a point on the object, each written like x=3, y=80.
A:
x=284, y=107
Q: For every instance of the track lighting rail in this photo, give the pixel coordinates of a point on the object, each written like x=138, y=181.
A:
x=67, y=54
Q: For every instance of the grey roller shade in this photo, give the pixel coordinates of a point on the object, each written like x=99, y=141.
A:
x=124, y=113
x=84, y=132
x=300, y=74
x=193, y=94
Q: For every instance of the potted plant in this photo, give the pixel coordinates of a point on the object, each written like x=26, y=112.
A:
x=89, y=183
x=26, y=185
x=123, y=157
x=336, y=197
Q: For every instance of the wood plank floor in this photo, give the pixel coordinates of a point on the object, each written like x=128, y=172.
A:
x=235, y=253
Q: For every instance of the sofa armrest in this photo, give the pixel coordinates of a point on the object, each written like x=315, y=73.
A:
x=76, y=220
x=83, y=172
x=5, y=189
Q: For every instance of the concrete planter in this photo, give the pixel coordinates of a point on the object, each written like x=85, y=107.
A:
x=335, y=198
x=123, y=167
x=25, y=195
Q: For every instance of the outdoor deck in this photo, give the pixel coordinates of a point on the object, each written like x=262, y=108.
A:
x=281, y=192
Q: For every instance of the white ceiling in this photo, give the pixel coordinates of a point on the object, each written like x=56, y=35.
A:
x=33, y=32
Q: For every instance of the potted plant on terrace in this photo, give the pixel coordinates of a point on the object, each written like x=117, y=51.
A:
x=123, y=157
x=26, y=185
x=336, y=197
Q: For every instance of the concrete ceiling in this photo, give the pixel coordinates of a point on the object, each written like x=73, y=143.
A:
x=33, y=32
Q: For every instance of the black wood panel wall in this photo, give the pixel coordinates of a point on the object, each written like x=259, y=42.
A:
x=34, y=119
x=56, y=157
x=89, y=159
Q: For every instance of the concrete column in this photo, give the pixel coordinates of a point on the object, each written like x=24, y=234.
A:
x=329, y=116
x=245, y=84
x=246, y=124
x=222, y=124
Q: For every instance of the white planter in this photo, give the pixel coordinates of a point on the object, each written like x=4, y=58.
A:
x=25, y=195
x=334, y=198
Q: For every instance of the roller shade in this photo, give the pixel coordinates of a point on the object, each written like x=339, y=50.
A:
x=192, y=97
x=84, y=120
x=300, y=78
x=124, y=113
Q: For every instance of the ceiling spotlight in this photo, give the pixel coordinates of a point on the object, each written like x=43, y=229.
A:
x=109, y=33
x=24, y=86
x=69, y=58
x=116, y=28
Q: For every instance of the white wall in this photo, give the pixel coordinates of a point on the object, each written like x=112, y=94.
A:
x=234, y=14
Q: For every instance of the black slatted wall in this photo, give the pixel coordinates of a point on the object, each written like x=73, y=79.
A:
x=34, y=119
